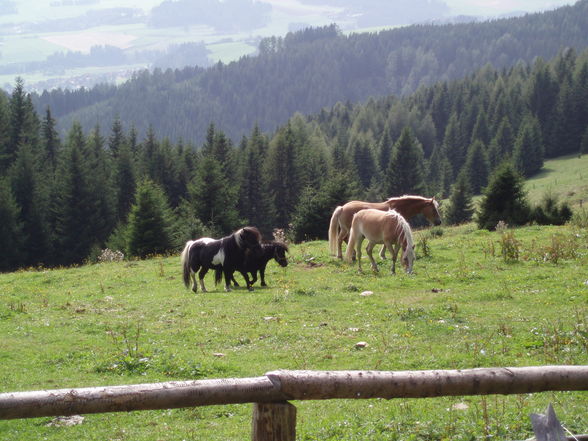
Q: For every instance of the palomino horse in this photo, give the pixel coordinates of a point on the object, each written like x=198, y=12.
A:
x=407, y=206
x=386, y=227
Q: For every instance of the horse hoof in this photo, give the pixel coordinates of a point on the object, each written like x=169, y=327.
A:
x=263, y=284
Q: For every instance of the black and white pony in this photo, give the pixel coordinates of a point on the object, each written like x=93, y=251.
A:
x=223, y=255
x=252, y=264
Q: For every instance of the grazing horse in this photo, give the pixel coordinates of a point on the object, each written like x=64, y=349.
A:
x=270, y=250
x=407, y=206
x=386, y=227
x=224, y=255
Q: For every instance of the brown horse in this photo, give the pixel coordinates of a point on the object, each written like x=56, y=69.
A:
x=407, y=206
x=386, y=227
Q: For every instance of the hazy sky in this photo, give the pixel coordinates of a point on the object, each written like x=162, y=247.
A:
x=497, y=7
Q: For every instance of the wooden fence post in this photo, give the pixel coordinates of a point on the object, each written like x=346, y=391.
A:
x=274, y=422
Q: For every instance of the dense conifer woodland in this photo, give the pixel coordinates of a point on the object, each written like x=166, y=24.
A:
x=431, y=128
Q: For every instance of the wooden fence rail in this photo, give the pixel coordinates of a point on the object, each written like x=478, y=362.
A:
x=282, y=386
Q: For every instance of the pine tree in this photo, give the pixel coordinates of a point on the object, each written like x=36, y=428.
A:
x=384, y=150
x=124, y=182
x=254, y=202
x=453, y=143
x=117, y=137
x=405, y=173
x=211, y=199
x=460, y=202
x=363, y=160
x=481, y=131
x=11, y=235
x=501, y=146
x=148, y=166
x=150, y=221
x=504, y=199
x=476, y=167
x=4, y=131
x=437, y=165
x=314, y=209
x=528, y=152
x=28, y=193
x=99, y=165
x=283, y=175
x=23, y=125
x=166, y=171
x=74, y=203
x=584, y=142
x=50, y=139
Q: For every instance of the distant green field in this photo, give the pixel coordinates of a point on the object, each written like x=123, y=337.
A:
x=566, y=177
x=465, y=306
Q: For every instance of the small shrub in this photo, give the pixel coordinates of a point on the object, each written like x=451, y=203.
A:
x=108, y=255
x=549, y=213
x=510, y=246
x=561, y=247
x=436, y=232
x=501, y=226
x=305, y=292
x=279, y=235
x=489, y=249
x=580, y=218
x=412, y=313
x=423, y=246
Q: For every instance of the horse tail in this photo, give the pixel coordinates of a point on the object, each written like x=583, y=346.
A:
x=218, y=275
x=185, y=260
x=404, y=226
x=333, y=230
x=352, y=239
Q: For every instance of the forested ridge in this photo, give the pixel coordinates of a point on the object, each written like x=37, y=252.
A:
x=62, y=199
x=308, y=70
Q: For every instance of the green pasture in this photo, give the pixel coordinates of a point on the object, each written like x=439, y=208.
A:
x=566, y=177
x=476, y=299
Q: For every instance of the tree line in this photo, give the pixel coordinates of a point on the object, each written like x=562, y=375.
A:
x=307, y=70
x=63, y=200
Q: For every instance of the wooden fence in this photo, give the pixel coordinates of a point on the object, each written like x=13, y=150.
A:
x=274, y=418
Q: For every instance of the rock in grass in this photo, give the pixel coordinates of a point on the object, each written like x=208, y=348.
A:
x=65, y=421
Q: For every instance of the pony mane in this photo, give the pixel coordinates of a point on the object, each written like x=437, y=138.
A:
x=408, y=196
x=403, y=228
x=277, y=244
x=239, y=235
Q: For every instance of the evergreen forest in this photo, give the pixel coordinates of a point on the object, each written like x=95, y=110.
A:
x=315, y=68
x=64, y=198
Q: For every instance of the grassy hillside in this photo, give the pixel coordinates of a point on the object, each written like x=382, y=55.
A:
x=566, y=177
x=465, y=306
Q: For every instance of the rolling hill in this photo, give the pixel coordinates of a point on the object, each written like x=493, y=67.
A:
x=314, y=68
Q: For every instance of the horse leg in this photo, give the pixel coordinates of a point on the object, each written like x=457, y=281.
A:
x=228, y=276
x=234, y=281
x=201, y=275
x=343, y=233
x=254, y=278
x=394, y=253
x=383, y=252
x=261, y=275
x=369, y=249
x=358, y=251
x=248, y=283
x=193, y=279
